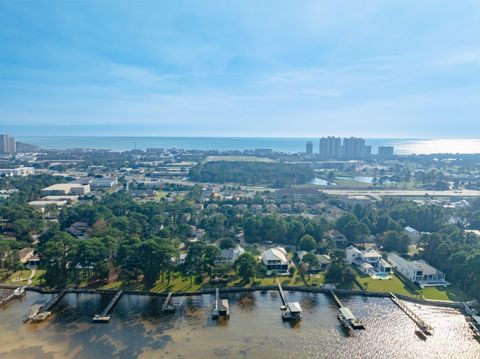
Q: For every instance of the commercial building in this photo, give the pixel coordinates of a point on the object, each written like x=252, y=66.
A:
x=309, y=148
x=104, y=182
x=19, y=171
x=62, y=189
x=419, y=272
x=297, y=194
x=43, y=204
x=330, y=148
x=385, y=152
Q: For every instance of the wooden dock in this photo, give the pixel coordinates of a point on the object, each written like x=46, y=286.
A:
x=17, y=293
x=104, y=317
x=54, y=301
x=170, y=307
x=222, y=307
x=422, y=325
x=40, y=313
x=290, y=310
x=345, y=315
x=335, y=298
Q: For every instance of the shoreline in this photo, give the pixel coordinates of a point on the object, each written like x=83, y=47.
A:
x=436, y=303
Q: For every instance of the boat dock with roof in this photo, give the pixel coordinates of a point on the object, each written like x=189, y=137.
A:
x=222, y=307
x=290, y=310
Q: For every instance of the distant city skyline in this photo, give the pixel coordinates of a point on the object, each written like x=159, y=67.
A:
x=264, y=69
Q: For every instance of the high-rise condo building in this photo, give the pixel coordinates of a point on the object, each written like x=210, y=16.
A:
x=309, y=149
x=385, y=152
x=7, y=144
x=330, y=148
x=353, y=148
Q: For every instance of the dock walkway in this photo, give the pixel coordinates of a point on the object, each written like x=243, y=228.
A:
x=54, y=301
x=167, y=307
x=424, y=327
x=105, y=315
x=17, y=293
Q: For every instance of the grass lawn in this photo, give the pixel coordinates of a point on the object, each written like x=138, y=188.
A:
x=444, y=293
x=21, y=277
x=394, y=285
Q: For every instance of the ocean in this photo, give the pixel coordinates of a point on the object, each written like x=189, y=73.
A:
x=282, y=144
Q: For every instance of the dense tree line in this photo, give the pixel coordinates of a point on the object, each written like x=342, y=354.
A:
x=457, y=254
x=275, y=174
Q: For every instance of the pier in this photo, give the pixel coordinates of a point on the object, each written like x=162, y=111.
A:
x=290, y=310
x=17, y=293
x=345, y=315
x=424, y=327
x=222, y=307
x=104, y=317
x=39, y=313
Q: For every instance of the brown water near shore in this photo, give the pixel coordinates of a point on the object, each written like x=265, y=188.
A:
x=139, y=329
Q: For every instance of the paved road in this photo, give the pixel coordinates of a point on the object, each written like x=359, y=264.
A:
x=404, y=193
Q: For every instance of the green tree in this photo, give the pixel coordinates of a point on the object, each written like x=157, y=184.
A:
x=307, y=243
x=246, y=266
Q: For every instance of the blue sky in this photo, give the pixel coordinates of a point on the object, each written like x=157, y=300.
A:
x=240, y=68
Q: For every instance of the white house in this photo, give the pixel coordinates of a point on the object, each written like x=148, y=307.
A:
x=276, y=259
x=412, y=233
x=230, y=255
x=368, y=261
x=419, y=272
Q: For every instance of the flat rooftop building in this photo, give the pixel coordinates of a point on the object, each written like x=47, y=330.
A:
x=62, y=189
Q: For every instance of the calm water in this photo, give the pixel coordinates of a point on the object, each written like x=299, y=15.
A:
x=255, y=330
x=402, y=146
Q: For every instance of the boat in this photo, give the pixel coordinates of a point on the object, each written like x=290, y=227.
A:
x=98, y=318
x=34, y=310
x=41, y=316
x=421, y=334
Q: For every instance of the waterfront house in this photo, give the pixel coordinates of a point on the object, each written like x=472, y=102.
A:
x=275, y=259
x=323, y=261
x=368, y=261
x=230, y=255
x=419, y=272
